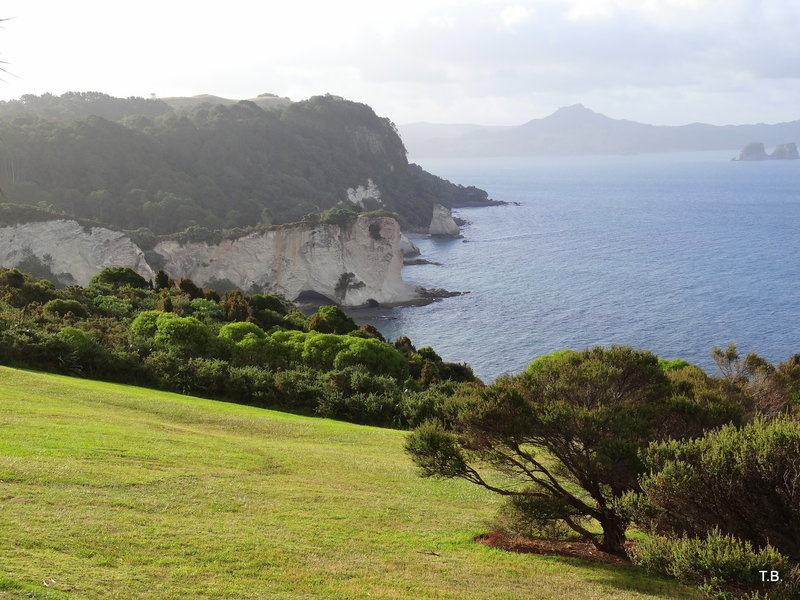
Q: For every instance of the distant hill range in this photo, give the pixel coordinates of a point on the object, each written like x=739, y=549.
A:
x=577, y=130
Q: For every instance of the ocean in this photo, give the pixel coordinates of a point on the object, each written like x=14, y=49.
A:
x=673, y=253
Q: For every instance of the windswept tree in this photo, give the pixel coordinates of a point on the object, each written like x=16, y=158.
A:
x=561, y=440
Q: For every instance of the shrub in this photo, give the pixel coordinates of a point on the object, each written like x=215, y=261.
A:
x=331, y=319
x=725, y=566
x=143, y=329
x=185, y=336
x=267, y=302
x=377, y=357
x=236, y=332
x=321, y=349
x=62, y=307
x=117, y=277
x=113, y=306
x=366, y=409
x=750, y=476
x=205, y=310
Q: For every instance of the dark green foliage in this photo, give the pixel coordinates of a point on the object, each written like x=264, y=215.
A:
x=368, y=331
x=574, y=421
x=62, y=307
x=205, y=310
x=377, y=357
x=404, y=345
x=369, y=409
x=20, y=289
x=110, y=331
x=162, y=281
x=234, y=306
x=118, y=277
x=267, y=302
x=188, y=287
x=723, y=565
x=209, y=168
x=113, y=306
x=331, y=319
x=375, y=231
x=744, y=482
x=185, y=336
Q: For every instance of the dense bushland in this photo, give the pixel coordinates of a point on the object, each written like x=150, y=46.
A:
x=254, y=349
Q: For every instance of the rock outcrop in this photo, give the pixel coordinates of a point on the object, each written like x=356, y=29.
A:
x=73, y=252
x=407, y=247
x=442, y=223
x=756, y=151
x=785, y=152
x=351, y=265
x=366, y=197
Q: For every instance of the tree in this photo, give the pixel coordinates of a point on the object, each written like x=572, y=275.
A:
x=117, y=277
x=562, y=438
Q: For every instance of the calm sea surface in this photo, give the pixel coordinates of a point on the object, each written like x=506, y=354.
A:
x=674, y=253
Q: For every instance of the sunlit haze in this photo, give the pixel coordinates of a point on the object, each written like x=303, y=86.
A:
x=480, y=61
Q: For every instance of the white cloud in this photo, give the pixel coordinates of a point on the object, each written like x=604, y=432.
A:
x=512, y=16
x=492, y=61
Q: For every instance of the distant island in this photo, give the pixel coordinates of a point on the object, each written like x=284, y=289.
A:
x=756, y=151
x=577, y=130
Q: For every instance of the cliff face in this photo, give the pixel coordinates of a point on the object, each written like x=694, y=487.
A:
x=72, y=252
x=350, y=265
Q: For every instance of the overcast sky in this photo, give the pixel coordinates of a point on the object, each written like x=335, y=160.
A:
x=447, y=61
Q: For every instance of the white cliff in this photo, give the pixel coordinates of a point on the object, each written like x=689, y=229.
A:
x=73, y=252
x=351, y=265
x=442, y=222
x=407, y=247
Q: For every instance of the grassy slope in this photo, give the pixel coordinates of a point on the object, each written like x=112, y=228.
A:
x=121, y=492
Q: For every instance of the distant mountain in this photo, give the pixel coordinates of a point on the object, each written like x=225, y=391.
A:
x=577, y=130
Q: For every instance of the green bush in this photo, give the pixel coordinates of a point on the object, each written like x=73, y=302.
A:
x=321, y=349
x=62, y=307
x=205, y=310
x=143, y=329
x=236, y=332
x=366, y=409
x=113, y=306
x=378, y=357
x=116, y=278
x=267, y=302
x=331, y=319
x=725, y=566
x=750, y=476
x=183, y=335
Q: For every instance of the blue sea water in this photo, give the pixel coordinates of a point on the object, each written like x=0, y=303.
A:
x=674, y=253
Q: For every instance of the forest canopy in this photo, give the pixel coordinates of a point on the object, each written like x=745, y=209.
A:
x=139, y=163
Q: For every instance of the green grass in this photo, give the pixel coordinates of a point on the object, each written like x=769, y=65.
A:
x=122, y=492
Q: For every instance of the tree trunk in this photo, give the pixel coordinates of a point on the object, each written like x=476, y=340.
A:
x=613, y=540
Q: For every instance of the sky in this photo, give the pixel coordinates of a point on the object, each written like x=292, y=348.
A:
x=490, y=62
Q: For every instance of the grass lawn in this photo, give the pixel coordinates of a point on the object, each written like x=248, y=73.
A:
x=110, y=491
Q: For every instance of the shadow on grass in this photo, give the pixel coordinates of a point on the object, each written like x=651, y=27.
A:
x=628, y=579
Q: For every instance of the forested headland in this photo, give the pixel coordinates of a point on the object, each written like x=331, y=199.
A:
x=141, y=164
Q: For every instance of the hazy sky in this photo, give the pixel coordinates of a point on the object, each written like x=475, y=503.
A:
x=448, y=61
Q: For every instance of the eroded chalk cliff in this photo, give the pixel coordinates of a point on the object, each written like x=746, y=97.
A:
x=351, y=265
